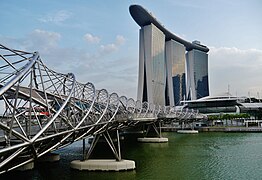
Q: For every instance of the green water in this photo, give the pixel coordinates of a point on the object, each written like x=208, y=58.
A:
x=185, y=156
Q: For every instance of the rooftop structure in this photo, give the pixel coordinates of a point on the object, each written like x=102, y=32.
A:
x=225, y=103
x=144, y=18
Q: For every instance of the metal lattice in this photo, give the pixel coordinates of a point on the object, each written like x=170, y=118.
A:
x=44, y=110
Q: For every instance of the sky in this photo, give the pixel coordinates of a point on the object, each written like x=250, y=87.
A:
x=98, y=40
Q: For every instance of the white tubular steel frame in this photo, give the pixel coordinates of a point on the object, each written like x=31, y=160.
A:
x=43, y=110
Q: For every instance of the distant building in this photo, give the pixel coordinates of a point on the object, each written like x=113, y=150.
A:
x=197, y=74
x=176, y=74
x=226, y=104
x=167, y=74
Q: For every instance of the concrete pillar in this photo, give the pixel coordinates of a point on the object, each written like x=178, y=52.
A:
x=103, y=165
x=153, y=140
x=187, y=131
x=27, y=166
x=50, y=157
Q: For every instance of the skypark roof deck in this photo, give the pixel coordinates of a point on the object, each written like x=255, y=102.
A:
x=143, y=18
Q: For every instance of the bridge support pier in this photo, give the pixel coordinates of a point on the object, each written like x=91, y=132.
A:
x=152, y=140
x=156, y=139
x=25, y=167
x=50, y=157
x=116, y=164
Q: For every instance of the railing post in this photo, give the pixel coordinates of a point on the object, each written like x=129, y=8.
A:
x=84, y=147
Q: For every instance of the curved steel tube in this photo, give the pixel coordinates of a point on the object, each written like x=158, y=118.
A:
x=71, y=110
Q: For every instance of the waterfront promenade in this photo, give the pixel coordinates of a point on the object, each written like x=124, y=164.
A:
x=217, y=129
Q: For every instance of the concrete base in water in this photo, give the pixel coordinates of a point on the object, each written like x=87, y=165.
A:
x=51, y=157
x=187, y=131
x=27, y=166
x=103, y=165
x=152, y=140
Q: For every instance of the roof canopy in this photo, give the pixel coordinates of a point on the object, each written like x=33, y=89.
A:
x=142, y=17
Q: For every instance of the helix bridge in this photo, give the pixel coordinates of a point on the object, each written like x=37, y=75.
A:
x=43, y=110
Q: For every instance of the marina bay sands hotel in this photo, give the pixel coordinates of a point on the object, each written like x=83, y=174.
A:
x=170, y=68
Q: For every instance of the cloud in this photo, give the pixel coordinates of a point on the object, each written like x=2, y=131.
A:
x=37, y=40
x=120, y=40
x=56, y=17
x=104, y=49
x=240, y=69
x=109, y=48
x=47, y=44
x=91, y=39
x=88, y=65
x=43, y=40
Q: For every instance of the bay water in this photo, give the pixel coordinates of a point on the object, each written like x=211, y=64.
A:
x=206, y=155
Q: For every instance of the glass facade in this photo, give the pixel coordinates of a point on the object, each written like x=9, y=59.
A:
x=176, y=75
x=214, y=106
x=167, y=74
x=158, y=66
x=197, y=74
x=152, y=85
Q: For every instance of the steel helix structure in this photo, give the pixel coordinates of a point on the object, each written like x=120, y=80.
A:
x=43, y=110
